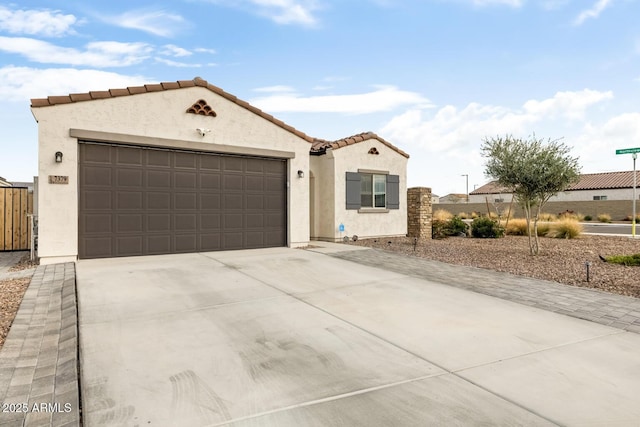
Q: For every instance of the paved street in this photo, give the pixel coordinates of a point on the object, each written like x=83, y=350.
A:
x=307, y=337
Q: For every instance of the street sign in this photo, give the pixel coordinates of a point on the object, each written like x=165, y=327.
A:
x=628, y=150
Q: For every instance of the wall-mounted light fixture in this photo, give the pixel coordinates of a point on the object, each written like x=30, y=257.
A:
x=300, y=174
x=58, y=156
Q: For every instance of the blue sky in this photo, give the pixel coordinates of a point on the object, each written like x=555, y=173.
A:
x=434, y=77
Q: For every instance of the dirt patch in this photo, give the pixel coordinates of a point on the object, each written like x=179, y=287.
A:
x=560, y=260
x=11, y=294
x=24, y=263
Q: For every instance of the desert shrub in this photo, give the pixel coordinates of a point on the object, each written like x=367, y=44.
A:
x=463, y=215
x=441, y=229
x=567, y=214
x=516, y=227
x=566, y=228
x=493, y=215
x=588, y=217
x=624, y=259
x=543, y=228
x=458, y=226
x=547, y=217
x=442, y=215
x=604, y=217
x=484, y=227
x=474, y=215
x=630, y=217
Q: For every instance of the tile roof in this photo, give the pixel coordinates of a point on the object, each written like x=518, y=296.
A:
x=135, y=90
x=588, y=181
x=320, y=146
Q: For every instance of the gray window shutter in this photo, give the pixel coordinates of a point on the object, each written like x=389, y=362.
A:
x=353, y=190
x=393, y=192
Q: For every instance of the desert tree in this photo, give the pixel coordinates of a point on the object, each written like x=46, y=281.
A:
x=534, y=170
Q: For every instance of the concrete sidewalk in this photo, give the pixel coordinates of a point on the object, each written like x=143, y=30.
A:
x=293, y=337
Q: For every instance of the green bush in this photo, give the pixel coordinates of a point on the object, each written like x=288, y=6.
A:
x=441, y=229
x=624, y=259
x=484, y=227
x=588, y=217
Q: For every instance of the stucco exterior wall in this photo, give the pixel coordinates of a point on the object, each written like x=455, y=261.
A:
x=392, y=222
x=324, y=201
x=156, y=115
x=565, y=196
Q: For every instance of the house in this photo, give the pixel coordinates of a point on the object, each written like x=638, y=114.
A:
x=590, y=187
x=187, y=167
x=356, y=185
x=4, y=182
x=435, y=199
x=453, y=198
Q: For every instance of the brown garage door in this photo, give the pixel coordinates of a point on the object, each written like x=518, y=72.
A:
x=145, y=201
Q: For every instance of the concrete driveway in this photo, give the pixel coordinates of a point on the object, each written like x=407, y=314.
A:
x=290, y=337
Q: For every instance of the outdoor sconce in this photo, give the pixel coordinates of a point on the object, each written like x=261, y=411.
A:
x=58, y=156
x=300, y=174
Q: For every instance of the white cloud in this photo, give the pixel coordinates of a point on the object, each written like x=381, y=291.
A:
x=156, y=22
x=594, y=12
x=45, y=23
x=453, y=129
x=384, y=98
x=205, y=50
x=176, y=63
x=24, y=83
x=297, y=12
x=96, y=54
x=173, y=50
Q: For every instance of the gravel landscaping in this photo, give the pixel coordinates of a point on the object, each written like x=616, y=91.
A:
x=560, y=260
x=11, y=293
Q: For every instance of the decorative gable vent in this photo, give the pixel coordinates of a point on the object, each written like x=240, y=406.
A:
x=373, y=150
x=202, y=108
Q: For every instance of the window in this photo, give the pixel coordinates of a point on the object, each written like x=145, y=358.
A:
x=599, y=197
x=498, y=200
x=370, y=190
x=373, y=189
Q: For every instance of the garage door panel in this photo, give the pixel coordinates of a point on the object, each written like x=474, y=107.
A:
x=129, y=200
x=186, y=243
x=158, y=200
x=129, y=223
x=210, y=181
x=96, y=153
x=159, y=222
x=185, y=161
x=97, y=176
x=96, y=223
x=209, y=222
x=158, y=179
x=96, y=200
x=158, y=244
x=97, y=247
x=185, y=222
x=232, y=221
x=128, y=156
x=185, y=201
x=209, y=201
x=254, y=221
x=129, y=245
x=138, y=201
x=158, y=158
x=210, y=242
x=185, y=180
x=232, y=202
x=233, y=164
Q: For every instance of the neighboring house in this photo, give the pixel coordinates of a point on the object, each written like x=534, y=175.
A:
x=435, y=199
x=186, y=167
x=358, y=187
x=28, y=185
x=593, y=186
x=4, y=182
x=453, y=198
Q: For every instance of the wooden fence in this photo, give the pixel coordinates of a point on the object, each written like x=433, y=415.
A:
x=15, y=228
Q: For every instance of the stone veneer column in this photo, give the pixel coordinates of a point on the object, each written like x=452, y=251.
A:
x=419, y=214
